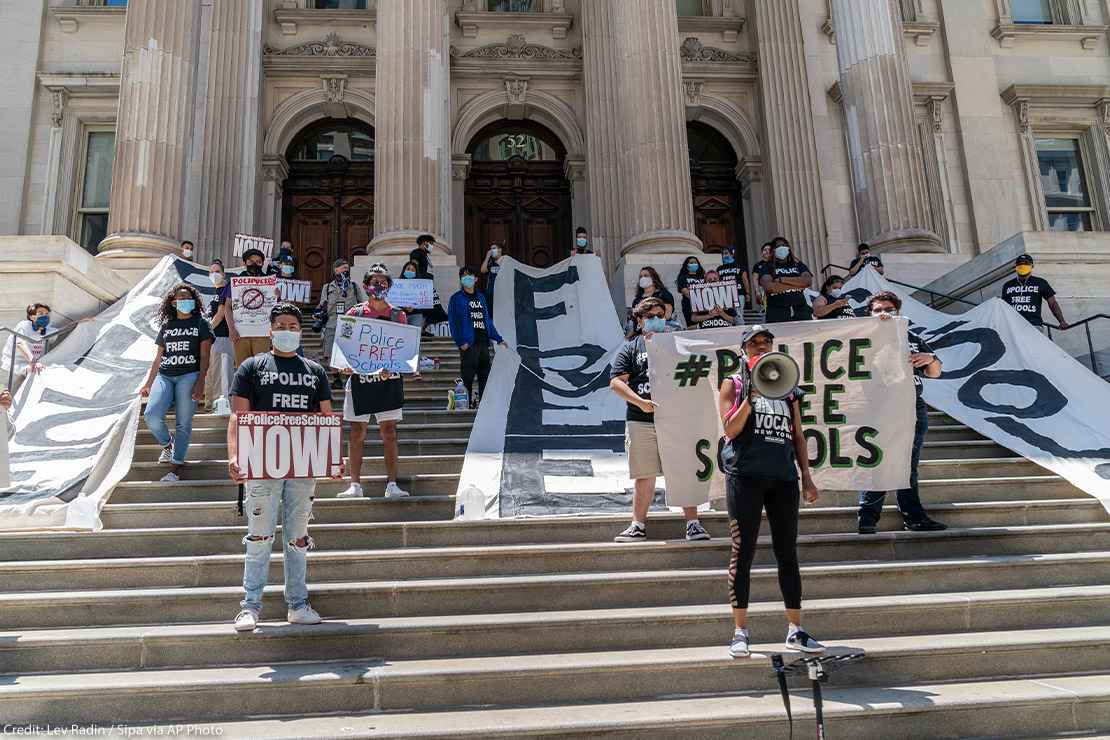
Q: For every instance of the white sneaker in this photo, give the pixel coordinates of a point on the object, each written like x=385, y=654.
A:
x=170, y=477
x=167, y=452
x=222, y=407
x=739, y=647
x=392, y=490
x=355, y=491
x=305, y=615
x=799, y=639
x=246, y=620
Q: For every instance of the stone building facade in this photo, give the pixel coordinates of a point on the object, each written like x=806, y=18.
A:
x=934, y=129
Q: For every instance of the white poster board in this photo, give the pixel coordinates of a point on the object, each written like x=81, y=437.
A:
x=243, y=242
x=294, y=291
x=414, y=293
x=369, y=345
x=252, y=299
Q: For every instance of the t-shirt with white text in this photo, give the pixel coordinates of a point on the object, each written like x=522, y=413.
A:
x=1025, y=295
x=272, y=383
x=792, y=298
x=180, y=340
x=918, y=345
x=632, y=360
x=478, y=321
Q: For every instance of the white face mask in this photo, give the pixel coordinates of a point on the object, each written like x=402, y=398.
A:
x=217, y=278
x=494, y=252
x=286, y=341
x=835, y=292
x=646, y=282
x=187, y=253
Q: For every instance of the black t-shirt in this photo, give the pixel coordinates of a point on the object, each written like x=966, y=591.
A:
x=918, y=345
x=844, y=312
x=478, y=321
x=764, y=448
x=663, y=295
x=731, y=273
x=1025, y=296
x=222, y=294
x=273, y=383
x=180, y=341
x=632, y=360
x=688, y=281
x=716, y=322
x=868, y=260
x=790, y=299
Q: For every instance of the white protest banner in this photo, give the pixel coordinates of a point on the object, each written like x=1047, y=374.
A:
x=294, y=291
x=1009, y=382
x=707, y=296
x=279, y=445
x=243, y=242
x=411, y=294
x=369, y=345
x=857, y=413
x=5, y=462
x=252, y=299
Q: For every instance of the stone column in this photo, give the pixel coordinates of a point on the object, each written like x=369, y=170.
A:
x=412, y=166
x=891, y=195
x=275, y=171
x=153, y=130
x=797, y=210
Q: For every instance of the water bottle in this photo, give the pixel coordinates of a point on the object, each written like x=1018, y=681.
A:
x=460, y=398
x=222, y=407
x=470, y=505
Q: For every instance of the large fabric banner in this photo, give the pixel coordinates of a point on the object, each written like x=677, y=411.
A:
x=857, y=412
x=1009, y=382
x=75, y=422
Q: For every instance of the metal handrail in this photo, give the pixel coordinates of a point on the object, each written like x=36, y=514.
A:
x=915, y=288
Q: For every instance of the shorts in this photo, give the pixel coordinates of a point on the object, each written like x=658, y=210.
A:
x=350, y=415
x=642, y=447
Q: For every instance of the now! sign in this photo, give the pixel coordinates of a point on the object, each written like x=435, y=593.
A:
x=277, y=446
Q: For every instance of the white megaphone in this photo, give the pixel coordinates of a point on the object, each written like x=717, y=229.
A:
x=774, y=375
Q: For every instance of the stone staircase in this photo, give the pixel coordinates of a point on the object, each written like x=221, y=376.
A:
x=998, y=627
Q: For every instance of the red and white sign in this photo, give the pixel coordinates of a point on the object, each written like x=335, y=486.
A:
x=243, y=242
x=252, y=299
x=277, y=445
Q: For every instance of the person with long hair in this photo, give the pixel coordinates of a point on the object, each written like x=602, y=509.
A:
x=650, y=285
x=692, y=273
x=763, y=266
x=221, y=368
x=832, y=304
x=716, y=317
x=176, y=376
x=763, y=453
x=785, y=281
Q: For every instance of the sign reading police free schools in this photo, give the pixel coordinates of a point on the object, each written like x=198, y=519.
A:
x=278, y=445
x=369, y=345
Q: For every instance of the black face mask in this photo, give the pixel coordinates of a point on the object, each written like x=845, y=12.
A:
x=253, y=269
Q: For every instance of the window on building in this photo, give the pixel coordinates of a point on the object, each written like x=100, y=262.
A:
x=353, y=143
x=501, y=147
x=512, y=6
x=690, y=7
x=96, y=189
x=1031, y=11
x=341, y=4
x=1065, y=185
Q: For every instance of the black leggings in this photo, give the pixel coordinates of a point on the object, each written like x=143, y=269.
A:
x=746, y=498
x=475, y=360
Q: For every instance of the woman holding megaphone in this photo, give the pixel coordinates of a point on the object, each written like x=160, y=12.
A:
x=763, y=452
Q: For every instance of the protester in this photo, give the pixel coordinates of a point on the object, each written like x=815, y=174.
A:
x=245, y=346
x=761, y=267
x=864, y=257
x=284, y=267
x=221, y=367
x=629, y=380
x=650, y=285
x=285, y=254
x=581, y=242
x=283, y=381
x=731, y=271
x=176, y=376
x=716, y=317
x=785, y=281
x=764, y=451
x=36, y=326
x=187, y=249
x=832, y=304
x=886, y=306
x=472, y=329
x=692, y=273
x=1025, y=292
x=491, y=265
x=420, y=255
x=337, y=298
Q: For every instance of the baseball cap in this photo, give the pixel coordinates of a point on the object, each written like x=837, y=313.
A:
x=754, y=332
x=1025, y=259
x=252, y=252
x=339, y=263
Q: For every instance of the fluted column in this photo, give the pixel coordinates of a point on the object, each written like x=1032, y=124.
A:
x=791, y=150
x=153, y=131
x=412, y=166
x=654, y=155
x=888, y=177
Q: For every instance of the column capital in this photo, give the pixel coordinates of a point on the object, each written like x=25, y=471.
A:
x=460, y=166
x=58, y=98
x=275, y=168
x=749, y=171
x=574, y=169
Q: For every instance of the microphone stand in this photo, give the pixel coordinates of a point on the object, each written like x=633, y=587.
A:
x=818, y=671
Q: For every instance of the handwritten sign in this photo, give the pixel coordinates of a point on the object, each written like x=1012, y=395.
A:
x=243, y=242
x=369, y=345
x=708, y=296
x=414, y=293
x=294, y=291
x=252, y=299
x=279, y=446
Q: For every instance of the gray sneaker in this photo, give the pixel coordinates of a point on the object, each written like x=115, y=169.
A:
x=739, y=646
x=801, y=640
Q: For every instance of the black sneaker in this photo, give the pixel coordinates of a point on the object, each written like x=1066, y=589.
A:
x=801, y=640
x=634, y=533
x=866, y=528
x=924, y=525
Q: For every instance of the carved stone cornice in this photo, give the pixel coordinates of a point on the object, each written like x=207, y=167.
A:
x=729, y=26
x=330, y=46
x=516, y=48
x=693, y=50
x=291, y=19
x=923, y=92
x=329, y=55
x=1087, y=35
x=70, y=17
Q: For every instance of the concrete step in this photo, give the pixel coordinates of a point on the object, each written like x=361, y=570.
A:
x=232, y=692
x=1045, y=706
x=421, y=485
x=963, y=449
x=371, y=465
x=405, y=430
x=971, y=490
x=983, y=467
x=373, y=446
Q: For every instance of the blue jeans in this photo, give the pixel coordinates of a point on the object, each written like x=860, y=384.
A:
x=176, y=391
x=909, y=500
x=262, y=498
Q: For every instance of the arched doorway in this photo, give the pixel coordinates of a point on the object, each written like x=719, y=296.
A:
x=718, y=215
x=517, y=195
x=328, y=204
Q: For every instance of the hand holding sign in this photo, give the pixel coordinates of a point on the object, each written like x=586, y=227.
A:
x=368, y=346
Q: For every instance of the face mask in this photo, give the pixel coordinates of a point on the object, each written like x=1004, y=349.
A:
x=883, y=311
x=646, y=282
x=187, y=254
x=377, y=292
x=1024, y=270
x=692, y=267
x=410, y=274
x=185, y=305
x=341, y=277
x=655, y=324
x=287, y=269
x=468, y=281
x=835, y=292
x=727, y=259
x=217, y=278
x=580, y=241
x=782, y=252
x=495, y=252
x=253, y=269
x=286, y=341
x=427, y=246
x=42, y=322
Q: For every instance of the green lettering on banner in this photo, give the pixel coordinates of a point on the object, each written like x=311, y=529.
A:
x=864, y=435
x=837, y=460
x=707, y=464
x=856, y=359
x=822, y=449
x=804, y=404
x=728, y=362
x=807, y=362
x=831, y=407
x=833, y=345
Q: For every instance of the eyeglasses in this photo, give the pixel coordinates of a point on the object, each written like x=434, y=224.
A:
x=883, y=311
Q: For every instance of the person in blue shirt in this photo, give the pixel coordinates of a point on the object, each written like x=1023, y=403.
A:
x=472, y=329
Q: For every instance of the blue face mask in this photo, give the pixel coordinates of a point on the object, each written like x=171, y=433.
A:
x=287, y=269
x=42, y=322
x=782, y=252
x=727, y=259
x=410, y=274
x=185, y=305
x=468, y=281
x=655, y=324
x=692, y=267
x=580, y=241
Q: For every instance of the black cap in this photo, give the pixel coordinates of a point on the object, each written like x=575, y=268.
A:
x=1025, y=259
x=253, y=252
x=754, y=332
x=339, y=263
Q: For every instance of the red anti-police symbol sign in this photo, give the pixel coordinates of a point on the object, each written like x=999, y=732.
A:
x=253, y=298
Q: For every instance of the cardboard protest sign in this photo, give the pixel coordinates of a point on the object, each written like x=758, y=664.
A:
x=369, y=345
x=707, y=296
x=252, y=299
x=411, y=294
x=243, y=242
x=294, y=291
x=279, y=445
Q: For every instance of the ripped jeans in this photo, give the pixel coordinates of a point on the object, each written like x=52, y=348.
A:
x=262, y=498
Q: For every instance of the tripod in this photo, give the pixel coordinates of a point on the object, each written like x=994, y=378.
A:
x=818, y=671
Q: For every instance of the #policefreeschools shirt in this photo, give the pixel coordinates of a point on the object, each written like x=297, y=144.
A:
x=1025, y=296
x=918, y=345
x=273, y=383
x=180, y=341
